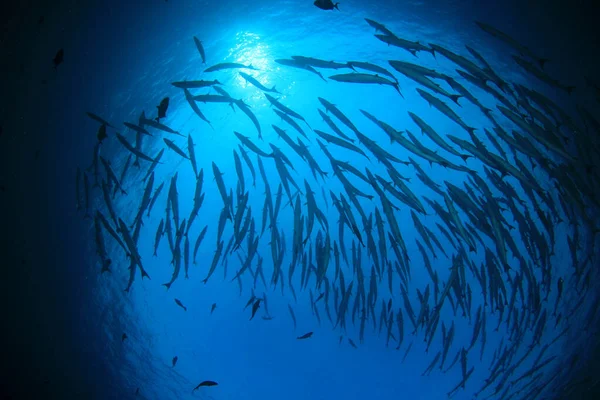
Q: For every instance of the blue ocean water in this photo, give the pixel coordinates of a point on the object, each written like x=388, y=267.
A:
x=122, y=62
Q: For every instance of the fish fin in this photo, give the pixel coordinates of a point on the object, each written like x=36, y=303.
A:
x=413, y=52
x=465, y=157
x=455, y=97
x=542, y=61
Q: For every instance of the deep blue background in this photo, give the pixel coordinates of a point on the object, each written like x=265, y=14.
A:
x=44, y=292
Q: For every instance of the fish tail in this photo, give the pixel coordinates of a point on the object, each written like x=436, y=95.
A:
x=167, y=285
x=464, y=157
x=455, y=98
x=106, y=266
x=471, y=130
x=336, y=6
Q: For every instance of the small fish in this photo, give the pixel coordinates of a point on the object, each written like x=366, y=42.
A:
x=101, y=135
x=326, y=4
x=162, y=109
x=250, y=301
x=205, y=383
x=200, y=49
x=175, y=148
x=352, y=343
x=221, y=66
x=213, y=307
x=98, y=119
x=123, y=337
x=175, y=360
x=136, y=128
x=58, y=58
x=255, y=307
x=305, y=336
x=178, y=302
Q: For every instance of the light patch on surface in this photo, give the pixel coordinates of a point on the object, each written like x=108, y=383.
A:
x=251, y=49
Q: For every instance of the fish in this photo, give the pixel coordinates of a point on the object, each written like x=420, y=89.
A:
x=326, y=5
x=197, y=84
x=305, y=336
x=214, y=98
x=246, y=110
x=298, y=64
x=334, y=127
x=379, y=27
x=330, y=107
x=132, y=149
x=205, y=384
x=221, y=66
x=443, y=108
x=316, y=62
x=174, y=361
x=215, y=261
x=371, y=67
x=137, y=128
x=411, y=47
x=170, y=144
x=292, y=315
x=523, y=50
x=285, y=117
x=123, y=337
x=247, y=143
x=157, y=125
x=213, y=307
x=199, y=241
x=541, y=75
x=339, y=142
x=58, y=58
x=433, y=135
x=422, y=77
x=99, y=119
x=162, y=109
x=200, y=49
x=101, y=135
x=190, y=99
x=285, y=109
x=255, y=308
x=250, y=79
x=357, y=77
x=159, y=234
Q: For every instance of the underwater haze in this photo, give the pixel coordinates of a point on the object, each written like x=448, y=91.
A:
x=353, y=200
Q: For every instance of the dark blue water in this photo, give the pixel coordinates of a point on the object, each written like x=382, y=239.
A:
x=66, y=320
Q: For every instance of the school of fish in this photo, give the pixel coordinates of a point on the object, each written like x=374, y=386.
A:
x=528, y=184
